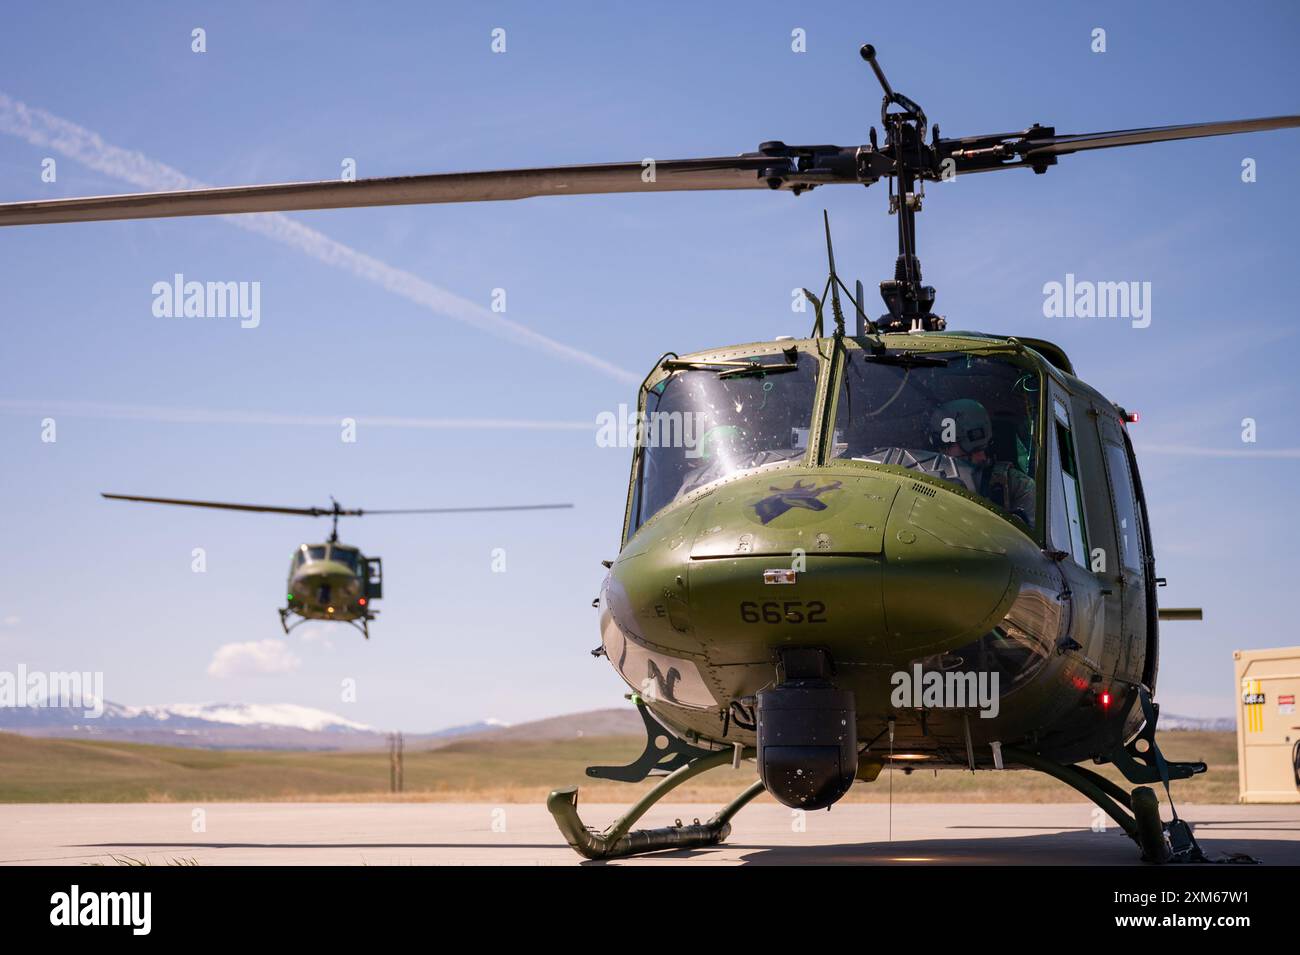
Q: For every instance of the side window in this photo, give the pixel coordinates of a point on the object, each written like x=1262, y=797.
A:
x=1126, y=529
x=1068, y=533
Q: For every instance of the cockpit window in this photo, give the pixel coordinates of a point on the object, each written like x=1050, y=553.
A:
x=705, y=423
x=316, y=553
x=344, y=555
x=965, y=418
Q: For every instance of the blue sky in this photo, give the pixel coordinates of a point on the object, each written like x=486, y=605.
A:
x=287, y=91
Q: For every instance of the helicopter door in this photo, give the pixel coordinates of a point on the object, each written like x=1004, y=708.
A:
x=1130, y=541
x=1071, y=525
x=374, y=578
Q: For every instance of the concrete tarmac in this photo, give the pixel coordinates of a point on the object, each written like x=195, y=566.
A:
x=520, y=834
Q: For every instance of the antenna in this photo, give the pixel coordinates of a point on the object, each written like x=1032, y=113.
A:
x=833, y=287
x=833, y=280
x=818, y=330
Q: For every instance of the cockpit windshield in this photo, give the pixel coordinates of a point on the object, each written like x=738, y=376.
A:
x=343, y=555
x=705, y=422
x=966, y=418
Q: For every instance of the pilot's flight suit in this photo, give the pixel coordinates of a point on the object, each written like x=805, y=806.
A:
x=1006, y=486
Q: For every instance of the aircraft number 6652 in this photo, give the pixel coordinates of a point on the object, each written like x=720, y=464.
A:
x=783, y=611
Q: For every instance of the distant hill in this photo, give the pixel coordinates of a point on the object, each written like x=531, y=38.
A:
x=1215, y=724
x=289, y=726
x=283, y=726
x=625, y=721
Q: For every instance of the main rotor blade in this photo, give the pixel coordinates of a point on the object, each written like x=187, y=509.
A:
x=468, y=510
x=775, y=166
x=329, y=512
x=737, y=172
x=260, y=508
x=1063, y=145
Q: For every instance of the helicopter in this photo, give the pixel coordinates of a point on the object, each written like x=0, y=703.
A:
x=331, y=580
x=892, y=545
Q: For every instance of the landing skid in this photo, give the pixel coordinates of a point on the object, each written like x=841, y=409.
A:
x=620, y=839
x=664, y=753
x=1137, y=812
x=363, y=625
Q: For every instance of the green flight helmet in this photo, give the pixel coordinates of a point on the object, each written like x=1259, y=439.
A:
x=962, y=422
x=721, y=438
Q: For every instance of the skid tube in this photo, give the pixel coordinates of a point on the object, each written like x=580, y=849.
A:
x=620, y=839
x=1141, y=822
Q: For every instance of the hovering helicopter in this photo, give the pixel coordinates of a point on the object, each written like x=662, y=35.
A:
x=332, y=580
x=889, y=505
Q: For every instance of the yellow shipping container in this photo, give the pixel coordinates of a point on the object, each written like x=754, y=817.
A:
x=1268, y=724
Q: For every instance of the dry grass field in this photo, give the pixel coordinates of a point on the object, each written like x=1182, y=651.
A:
x=54, y=770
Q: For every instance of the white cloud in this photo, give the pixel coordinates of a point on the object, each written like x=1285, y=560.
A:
x=254, y=658
x=315, y=633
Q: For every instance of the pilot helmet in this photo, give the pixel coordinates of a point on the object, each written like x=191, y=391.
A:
x=963, y=422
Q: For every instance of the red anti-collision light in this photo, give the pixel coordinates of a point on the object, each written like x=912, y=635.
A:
x=1132, y=417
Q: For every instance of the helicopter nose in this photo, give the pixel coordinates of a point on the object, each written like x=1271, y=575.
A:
x=325, y=585
x=950, y=571
x=877, y=568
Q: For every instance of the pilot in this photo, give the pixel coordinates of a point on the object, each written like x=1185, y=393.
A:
x=963, y=430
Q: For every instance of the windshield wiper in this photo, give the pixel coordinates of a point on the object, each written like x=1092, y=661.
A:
x=907, y=359
x=732, y=369
x=758, y=370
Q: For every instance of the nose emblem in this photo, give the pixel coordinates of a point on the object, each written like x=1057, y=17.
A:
x=784, y=498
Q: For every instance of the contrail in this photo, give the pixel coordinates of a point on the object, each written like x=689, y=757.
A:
x=66, y=138
x=123, y=412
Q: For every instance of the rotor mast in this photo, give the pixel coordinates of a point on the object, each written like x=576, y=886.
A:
x=336, y=512
x=908, y=300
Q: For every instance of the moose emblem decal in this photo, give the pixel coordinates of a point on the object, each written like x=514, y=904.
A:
x=783, y=499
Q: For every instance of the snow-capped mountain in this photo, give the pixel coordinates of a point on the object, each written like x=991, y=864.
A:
x=214, y=725
x=252, y=714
